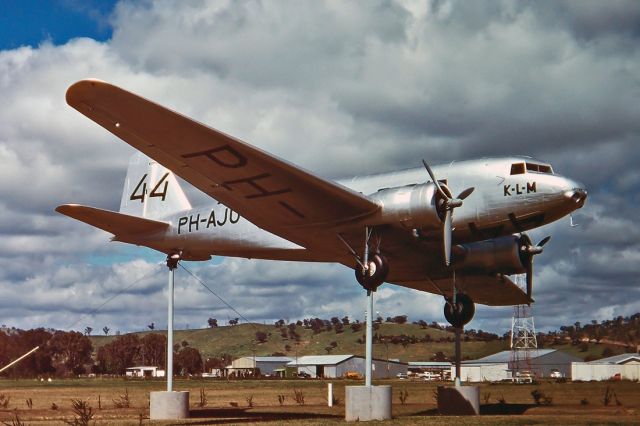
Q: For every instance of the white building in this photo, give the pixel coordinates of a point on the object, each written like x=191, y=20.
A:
x=497, y=367
x=266, y=365
x=619, y=367
x=144, y=371
x=335, y=366
x=471, y=371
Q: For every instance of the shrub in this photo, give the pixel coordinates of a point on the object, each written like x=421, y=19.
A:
x=298, y=396
x=123, y=401
x=83, y=413
x=404, y=395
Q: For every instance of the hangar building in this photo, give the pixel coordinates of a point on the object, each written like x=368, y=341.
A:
x=266, y=364
x=621, y=367
x=498, y=366
x=334, y=366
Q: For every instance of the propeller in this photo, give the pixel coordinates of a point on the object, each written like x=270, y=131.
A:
x=527, y=251
x=449, y=203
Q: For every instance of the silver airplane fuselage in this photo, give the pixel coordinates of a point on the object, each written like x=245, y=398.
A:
x=512, y=195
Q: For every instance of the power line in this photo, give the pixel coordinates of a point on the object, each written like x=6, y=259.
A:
x=94, y=311
x=219, y=297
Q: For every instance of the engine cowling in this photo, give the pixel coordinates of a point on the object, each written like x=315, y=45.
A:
x=413, y=206
x=501, y=255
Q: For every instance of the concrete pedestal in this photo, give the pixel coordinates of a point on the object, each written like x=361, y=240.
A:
x=169, y=405
x=365, y=403
x=459, y=400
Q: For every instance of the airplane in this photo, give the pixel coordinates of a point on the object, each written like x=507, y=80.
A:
x=405, y=227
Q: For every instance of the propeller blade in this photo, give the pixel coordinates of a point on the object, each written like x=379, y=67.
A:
x=530, y=277
x=544, y=241
x=446, y=237
x=434, y=180
x=464, y=194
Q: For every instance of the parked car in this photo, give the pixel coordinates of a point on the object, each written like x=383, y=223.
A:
x=555, y=374
x=401, y=375
x=304, y=375
x=429, y=376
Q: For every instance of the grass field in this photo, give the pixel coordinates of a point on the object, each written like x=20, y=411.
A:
x=256, y=401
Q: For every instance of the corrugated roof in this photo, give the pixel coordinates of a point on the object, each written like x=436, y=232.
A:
x=320, y=359
x=429, y=364
x=505, y=356
x=283, y=359
x=617, y=359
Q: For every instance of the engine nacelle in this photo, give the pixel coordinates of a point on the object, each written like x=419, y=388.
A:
x=413, y=206
x=501, y=255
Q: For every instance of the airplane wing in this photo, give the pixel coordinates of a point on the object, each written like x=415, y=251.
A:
x=270, y=192
x=119, y=224
x=491, y=290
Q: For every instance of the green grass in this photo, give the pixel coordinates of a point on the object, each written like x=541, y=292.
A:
x=240, y=341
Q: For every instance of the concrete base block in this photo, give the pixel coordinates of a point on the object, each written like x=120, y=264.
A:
x=169, y=405
x=459, y=400
x=363, y=403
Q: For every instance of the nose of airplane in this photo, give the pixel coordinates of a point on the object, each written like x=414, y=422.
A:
x=575, y=193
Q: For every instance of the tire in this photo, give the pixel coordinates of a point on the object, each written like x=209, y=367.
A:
x=460, y=314
x=376, y=274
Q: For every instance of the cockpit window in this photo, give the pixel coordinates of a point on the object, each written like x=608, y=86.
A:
x=521, y=168
x=517, y=168
x=540, y=168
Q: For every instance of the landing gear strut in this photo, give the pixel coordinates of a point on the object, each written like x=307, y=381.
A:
x=459, y=310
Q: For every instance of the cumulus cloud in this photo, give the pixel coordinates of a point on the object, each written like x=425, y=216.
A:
x=388, y=82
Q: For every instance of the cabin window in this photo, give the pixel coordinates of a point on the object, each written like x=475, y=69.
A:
x=517, y=168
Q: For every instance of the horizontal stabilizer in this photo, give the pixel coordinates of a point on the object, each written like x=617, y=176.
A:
x=121, y=225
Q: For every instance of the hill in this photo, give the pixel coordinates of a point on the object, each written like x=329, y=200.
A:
x=404, y=341
x=412, y=342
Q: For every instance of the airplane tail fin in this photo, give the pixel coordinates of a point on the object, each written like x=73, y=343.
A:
x=150, y=190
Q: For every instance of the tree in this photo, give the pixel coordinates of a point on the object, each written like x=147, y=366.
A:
x=345, y=320
x=233, y=321
x=87, y=331
x=356, y=326
x=261, y=336
x=153, y=349
x=213, y=323
x=115, y=357
x=188, y=361
x=152, y=326
x=105, y=330
x=71, y=350
x=399, y=319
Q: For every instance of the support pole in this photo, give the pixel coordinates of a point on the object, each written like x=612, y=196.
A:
x=458, y=331
x=369, y=340
x=172, y=264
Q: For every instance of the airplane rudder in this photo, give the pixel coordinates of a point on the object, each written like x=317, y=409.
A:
x=151, y=190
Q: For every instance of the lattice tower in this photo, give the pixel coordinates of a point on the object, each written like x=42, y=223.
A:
x=523, y=337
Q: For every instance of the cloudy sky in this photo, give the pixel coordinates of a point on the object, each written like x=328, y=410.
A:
x=323, y=84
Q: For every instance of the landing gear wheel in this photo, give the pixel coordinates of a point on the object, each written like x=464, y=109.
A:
x=375, y=275
x=461, y=313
